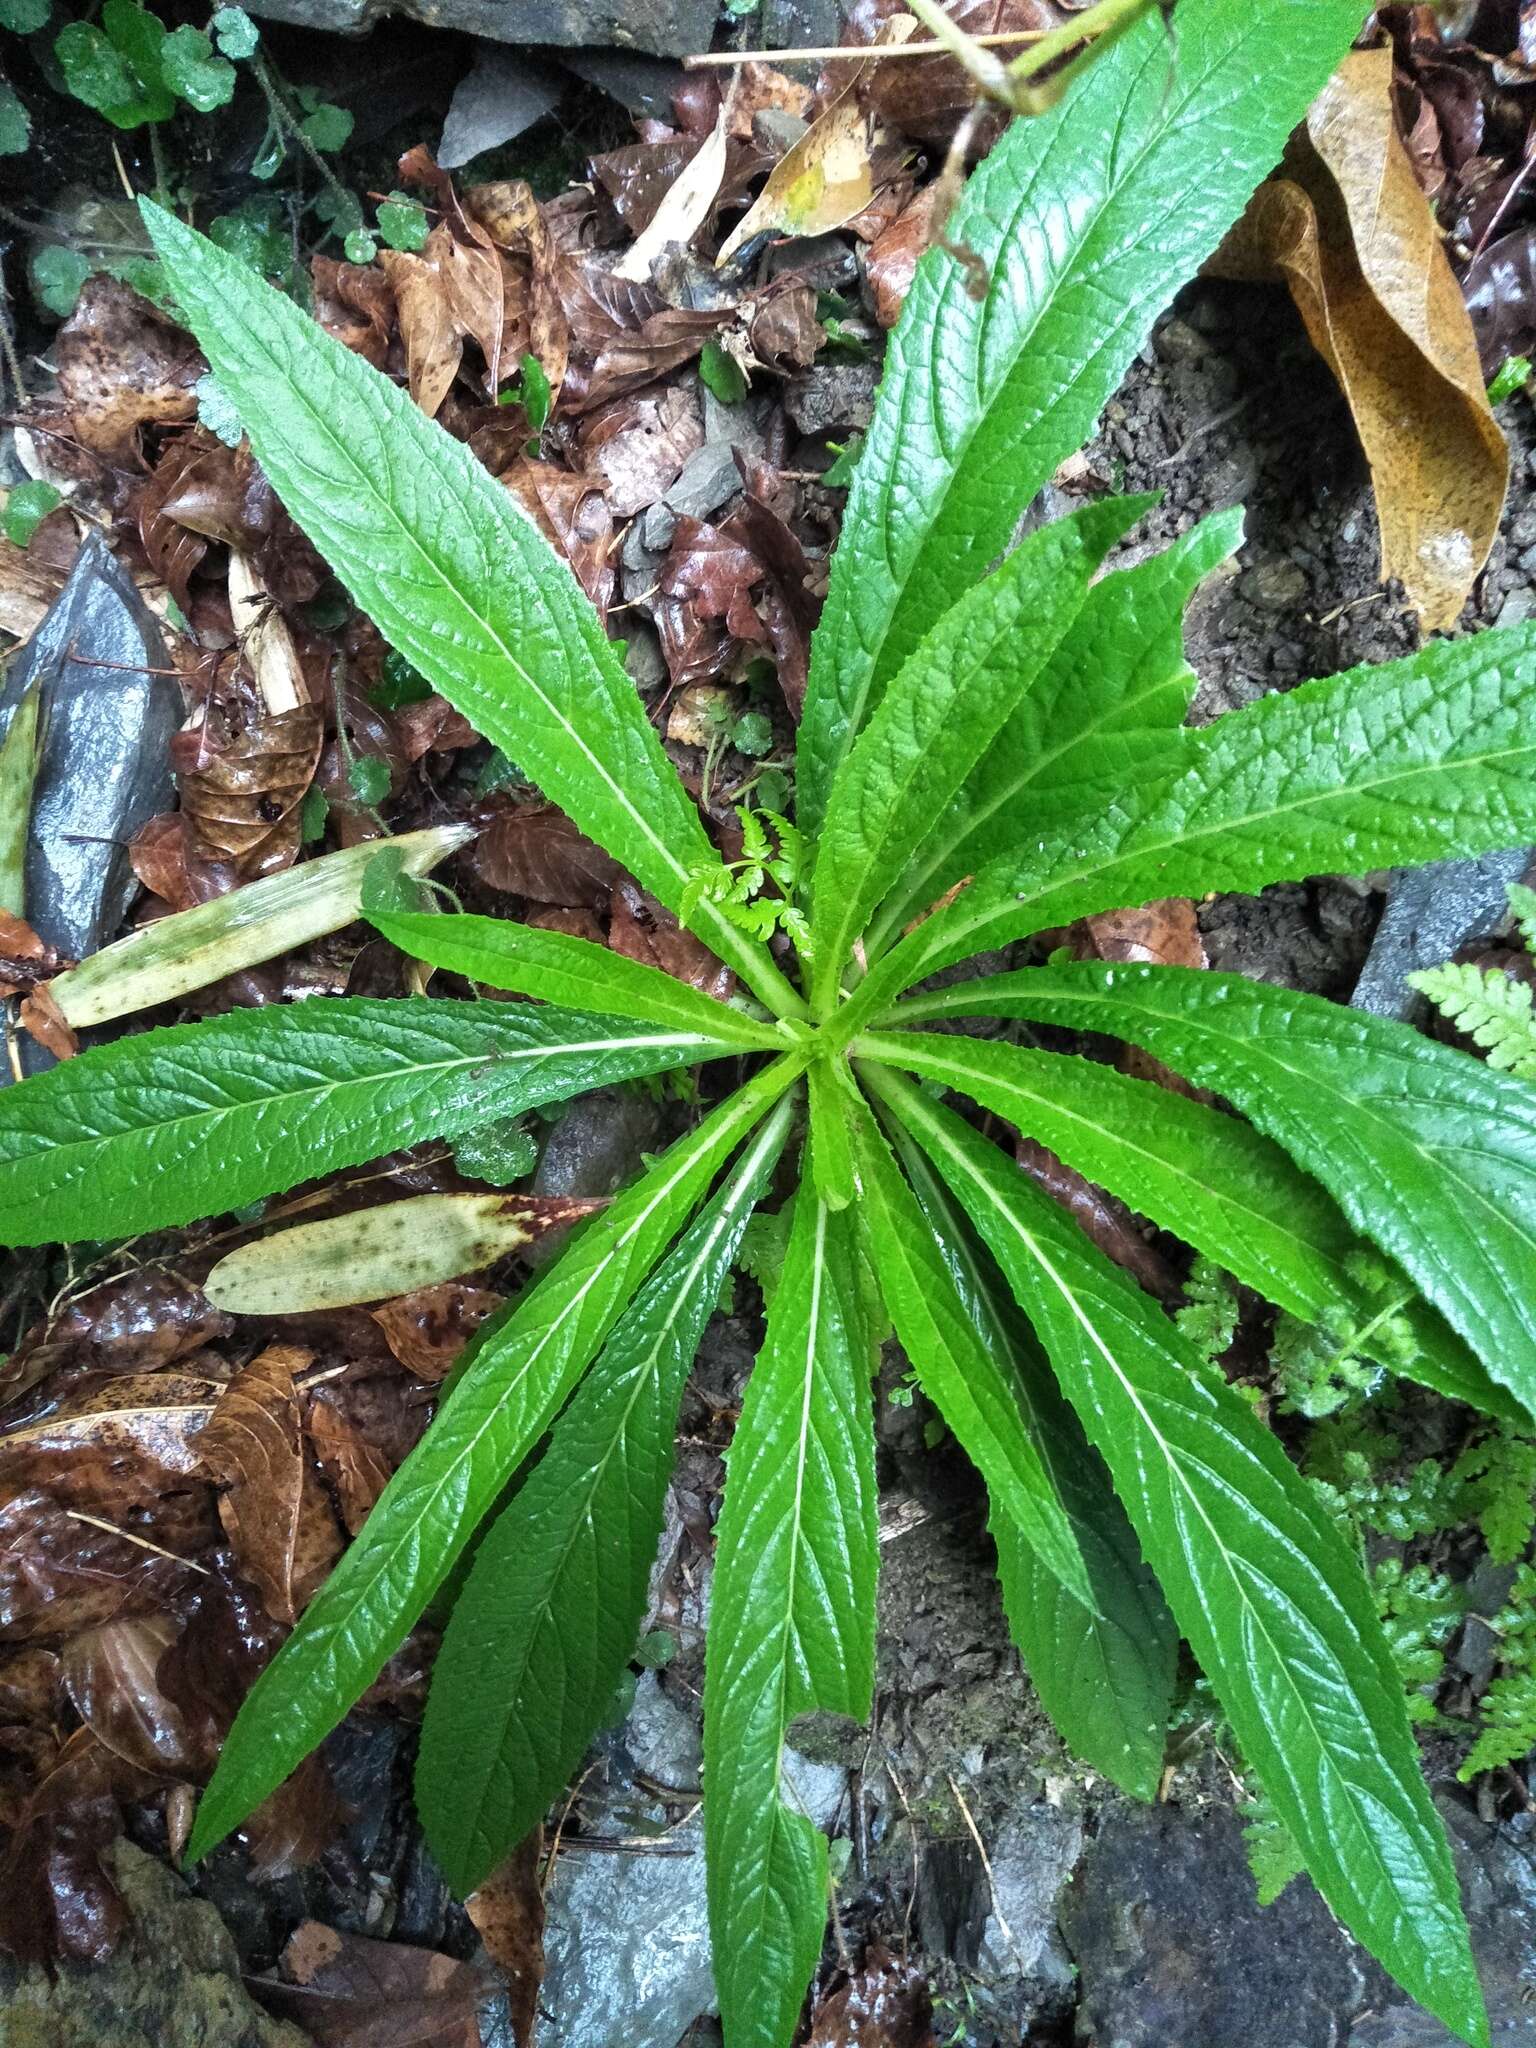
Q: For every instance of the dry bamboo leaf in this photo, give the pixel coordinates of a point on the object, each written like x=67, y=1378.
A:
x=1352, y=234
x=274, y=1512
x=831, y=174
x=371, y=1254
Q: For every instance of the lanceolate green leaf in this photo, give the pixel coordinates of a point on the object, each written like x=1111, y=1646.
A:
x=1087, y=219
x=938, y=717
x=432, y=1506
x=1216, y=1182
x=438, y=555
x=1104, y=1673
x=1379, y=767
x=1428, y=1152
x=971, y=1389
x=833, y=1104
x=548, y=1616
x=1258, y=1578
x=791, y=1622
x=171, y=1125
x=558, y=968
x=1104, y=709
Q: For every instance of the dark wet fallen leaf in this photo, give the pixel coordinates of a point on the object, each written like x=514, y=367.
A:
x=645, y=930
x=353, y=301
x=227, y=1639
x=428, y=1329
x=358, y=1473
x=155, y=1417
x=533, y=850
x=884, y=2004
x=573, y=513
x=242, y=801
x=785, y=601
x=508, y=1914
x=121, y=367
x=24, y=959
x=136, y=1323
x=639, y=175
x=158, y=853
x=783, y=331
x=623, y=334
x=1107, y=1221
x=111, y=1676
x=432, y=726
x=1353, y=236
x=348, y=1992
x=56, y=1897
x=274, y=1511
x=704, y=602
x=202, y=491
x=894, y=253
x=296, y=1824
x=636, y=446
x=1500, y=287
x=89, y=1535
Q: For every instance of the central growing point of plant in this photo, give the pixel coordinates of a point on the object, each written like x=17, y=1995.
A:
x=1017, y=729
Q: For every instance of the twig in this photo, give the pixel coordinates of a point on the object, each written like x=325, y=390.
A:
x=828, y=53
x=986, y=1864
x=143, y=1542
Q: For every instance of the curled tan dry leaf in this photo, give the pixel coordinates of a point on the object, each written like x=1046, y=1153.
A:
x=274, y=1509
x=1351, y=233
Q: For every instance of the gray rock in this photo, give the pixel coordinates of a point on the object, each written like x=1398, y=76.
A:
x=823, y=261
x=105, y=766
x=777, y=130
x=817, y=1790
x=1032, y=1862
x=644, y=85
x=626, y=1944
x=174, y=1981
x=1430, y=912
x=1274, y=585
x=707, y=479
x=667, y=28
x=596, y=1145
x=1172, y=1945
x=832, y=398
x=799, y=24
x=644, y=661
x=658, y=523
x=503, y=92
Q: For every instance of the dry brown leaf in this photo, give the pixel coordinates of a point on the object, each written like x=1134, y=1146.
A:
x=349, y=1992
x=1354, y=238
x=643, y=929
x=1165, y=933
x=893, y=255
x=434, y=347
x=111, y=1674
x=275, y=1511
x=121, y=366
x=572, y=513
x=508, y=1914
x=832, y=173
x=242, y=803
x=884, y=2004
x=1103, y=1217
x=427, y=1329
x=533, y=850
x=357, y=1470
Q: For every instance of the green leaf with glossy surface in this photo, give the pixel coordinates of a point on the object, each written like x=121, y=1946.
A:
x=501, y=1401
x=560, y=968
x=1259, y=1579
x=973, y=1392
x=1104, y=1673
x=1103, y=709
x=791, y=1620
x=548, y=1616
x=1428, y=1152
x=1088, y=219
x=1378, y=767
x=1222, y=1186
x=173, y=1125
x=437, y=554
x=938, y=717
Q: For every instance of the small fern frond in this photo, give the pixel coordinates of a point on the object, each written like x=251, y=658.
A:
x=1493, y=1011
